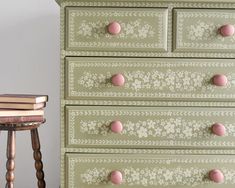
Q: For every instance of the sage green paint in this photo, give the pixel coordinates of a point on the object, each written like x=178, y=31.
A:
x=73, y=164
x=197, y=30
x=141, y=51
x=148, y=127
x=93, y=170
x=149, y=79
x=142, y=29
x=196, y=1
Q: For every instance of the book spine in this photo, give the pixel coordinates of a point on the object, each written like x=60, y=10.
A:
x=21, y=119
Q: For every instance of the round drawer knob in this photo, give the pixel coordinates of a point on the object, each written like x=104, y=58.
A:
x=219, y=129
x=216, y=176
x=116, y=177
x=114, y=28
x=227, y=30
x=220, y=80
x=116, y=127
x=118, y=80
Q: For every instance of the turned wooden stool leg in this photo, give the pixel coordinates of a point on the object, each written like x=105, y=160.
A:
x=10, y=159
x=38, y=158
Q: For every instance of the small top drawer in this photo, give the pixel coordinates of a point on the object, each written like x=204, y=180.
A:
x=112, y=29
x=204, y=30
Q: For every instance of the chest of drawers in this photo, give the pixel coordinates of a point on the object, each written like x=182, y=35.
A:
x=147, y=93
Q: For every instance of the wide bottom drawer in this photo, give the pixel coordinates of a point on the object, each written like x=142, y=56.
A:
x=104, y=170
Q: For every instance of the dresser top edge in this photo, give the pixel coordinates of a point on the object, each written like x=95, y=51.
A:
x=165, y=1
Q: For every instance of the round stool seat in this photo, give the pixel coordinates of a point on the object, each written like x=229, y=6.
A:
x=21, y=126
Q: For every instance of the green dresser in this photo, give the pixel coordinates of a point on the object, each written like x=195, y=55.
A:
x=147, y=93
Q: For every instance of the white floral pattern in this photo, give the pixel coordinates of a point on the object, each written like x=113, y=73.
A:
x=156, y=176
x=87, y=28
x=202, y=31
x=198, y=30
x=137, y=29
x=170, y=80
x=173, y=128
x=95, y=80
x=215, y=4
x=91, y=127
x=92, y=78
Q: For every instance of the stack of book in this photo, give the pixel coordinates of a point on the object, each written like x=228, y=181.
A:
x=18, y=108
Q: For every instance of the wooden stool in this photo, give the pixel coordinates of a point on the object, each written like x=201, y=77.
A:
x=10, y=165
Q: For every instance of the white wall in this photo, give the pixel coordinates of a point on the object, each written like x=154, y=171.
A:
x=29, y=59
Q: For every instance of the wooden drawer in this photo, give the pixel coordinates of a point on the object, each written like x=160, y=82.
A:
x=149, y=79
x=149, y=127
x=142, y=29
x=94, y=171
x=199, y=30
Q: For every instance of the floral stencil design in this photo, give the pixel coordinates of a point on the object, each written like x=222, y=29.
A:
x=91, y=80
x=96, y=176
x=156, y=176
x=173, y=128
x=157, y=80
x=202, y=31
x=131, y=30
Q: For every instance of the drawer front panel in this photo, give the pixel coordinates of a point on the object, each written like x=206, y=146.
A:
x=148, y=127
x=198, y=30
x=146, y=79
x=93, y=171
x=142, y=29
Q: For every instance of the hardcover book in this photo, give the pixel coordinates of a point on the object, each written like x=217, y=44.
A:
x=7, y=113
x=22, y=106
x=23, y=98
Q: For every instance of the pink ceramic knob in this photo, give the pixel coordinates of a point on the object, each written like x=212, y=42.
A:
x=114, y=28
x=116, y=127
x=216, y=176
x=219, y=129
x=116, y=177
x=227, y=30
x=220, y=80
x=118, y=80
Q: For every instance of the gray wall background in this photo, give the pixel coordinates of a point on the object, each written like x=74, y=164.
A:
x=29, y=51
